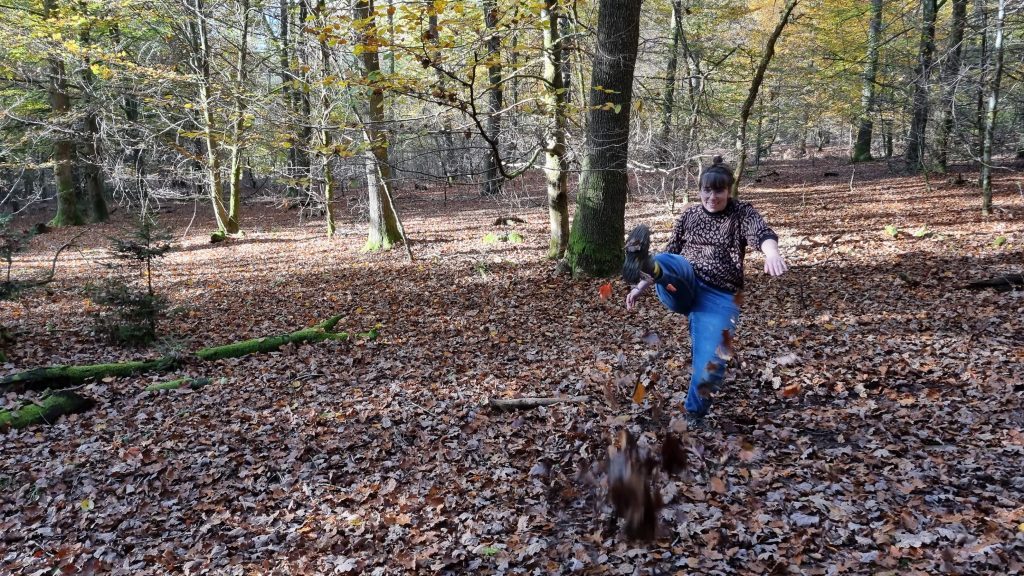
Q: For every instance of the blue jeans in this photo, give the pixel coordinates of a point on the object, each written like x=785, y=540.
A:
x=711, y=312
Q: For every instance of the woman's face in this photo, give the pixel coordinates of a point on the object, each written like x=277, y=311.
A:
x=714, y=199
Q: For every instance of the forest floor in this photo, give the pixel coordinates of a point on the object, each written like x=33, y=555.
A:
x=872, y=421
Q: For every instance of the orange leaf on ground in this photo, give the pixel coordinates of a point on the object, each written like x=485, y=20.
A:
x=639, y=392
x=605, y=291
x=791, y=390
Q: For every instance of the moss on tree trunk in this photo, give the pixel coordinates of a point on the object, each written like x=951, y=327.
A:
x=46, y=411
x=595, y=242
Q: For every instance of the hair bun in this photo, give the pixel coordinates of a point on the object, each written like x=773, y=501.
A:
x=716, y=160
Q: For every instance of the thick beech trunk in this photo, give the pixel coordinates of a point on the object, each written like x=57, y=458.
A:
x=595, y=242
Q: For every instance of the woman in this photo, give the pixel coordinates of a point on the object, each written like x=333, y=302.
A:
x=700, y=272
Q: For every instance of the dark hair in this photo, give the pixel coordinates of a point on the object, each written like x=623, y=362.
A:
x=718, y=176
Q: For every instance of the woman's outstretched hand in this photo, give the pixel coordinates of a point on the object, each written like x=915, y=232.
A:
x=774, y=264
x=637, y=291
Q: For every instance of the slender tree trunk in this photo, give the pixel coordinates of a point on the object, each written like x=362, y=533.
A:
x=555, y=166
x=384, y=232
x=668, y=103
x=287, y=97
x=450, y=165
x=325, y=119
x=238, y=127
x=595, y=242
x=990, y=116
x=981, y=25
x=201, y=64
x=68, y=211
x=303, y=106
x=492, y=179
x=914, y=154
x=950, y=78
x=862, y=149
x=567, y=44
x=755, y=85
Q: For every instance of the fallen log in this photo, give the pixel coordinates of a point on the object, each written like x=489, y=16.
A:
x=65, y=376
x=1003, y=283
x=318, y=333
x=528, y=403
x=46, y=411
x=193, y=383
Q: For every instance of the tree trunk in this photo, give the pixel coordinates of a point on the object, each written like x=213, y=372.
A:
x=238, y=126
x=384, y=232
x=555, y=166
x=201, y=65
x=755, y=85
x=492, y=179
x=450, y=164
x=914, y=154
x=92, y=165
x=288, y=100
x=68, y=211
x=595, y=242
x=668, y=104
x=950, y=77
x=325, y=119
x=302, y=104
x=567, y=44
x=990, y=116
x=862, y=149
x=981, y=32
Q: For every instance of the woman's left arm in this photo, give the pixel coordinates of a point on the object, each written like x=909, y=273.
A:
x=774, y=264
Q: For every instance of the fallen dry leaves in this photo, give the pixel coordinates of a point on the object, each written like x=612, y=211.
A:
x=871, y=422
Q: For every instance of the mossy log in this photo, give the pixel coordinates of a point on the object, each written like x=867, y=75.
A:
x=193, y=383
x=46, y=411
x=64, y=376
x=320, y=332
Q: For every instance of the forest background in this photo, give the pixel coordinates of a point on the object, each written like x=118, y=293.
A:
x=252, y=157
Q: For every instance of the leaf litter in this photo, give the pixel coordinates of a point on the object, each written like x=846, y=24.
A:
x=868, y=424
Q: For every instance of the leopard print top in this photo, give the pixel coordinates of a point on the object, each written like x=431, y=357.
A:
x=715, y=243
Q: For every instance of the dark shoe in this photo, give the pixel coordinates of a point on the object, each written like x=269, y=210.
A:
x=638, y=255
x=695, y=421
